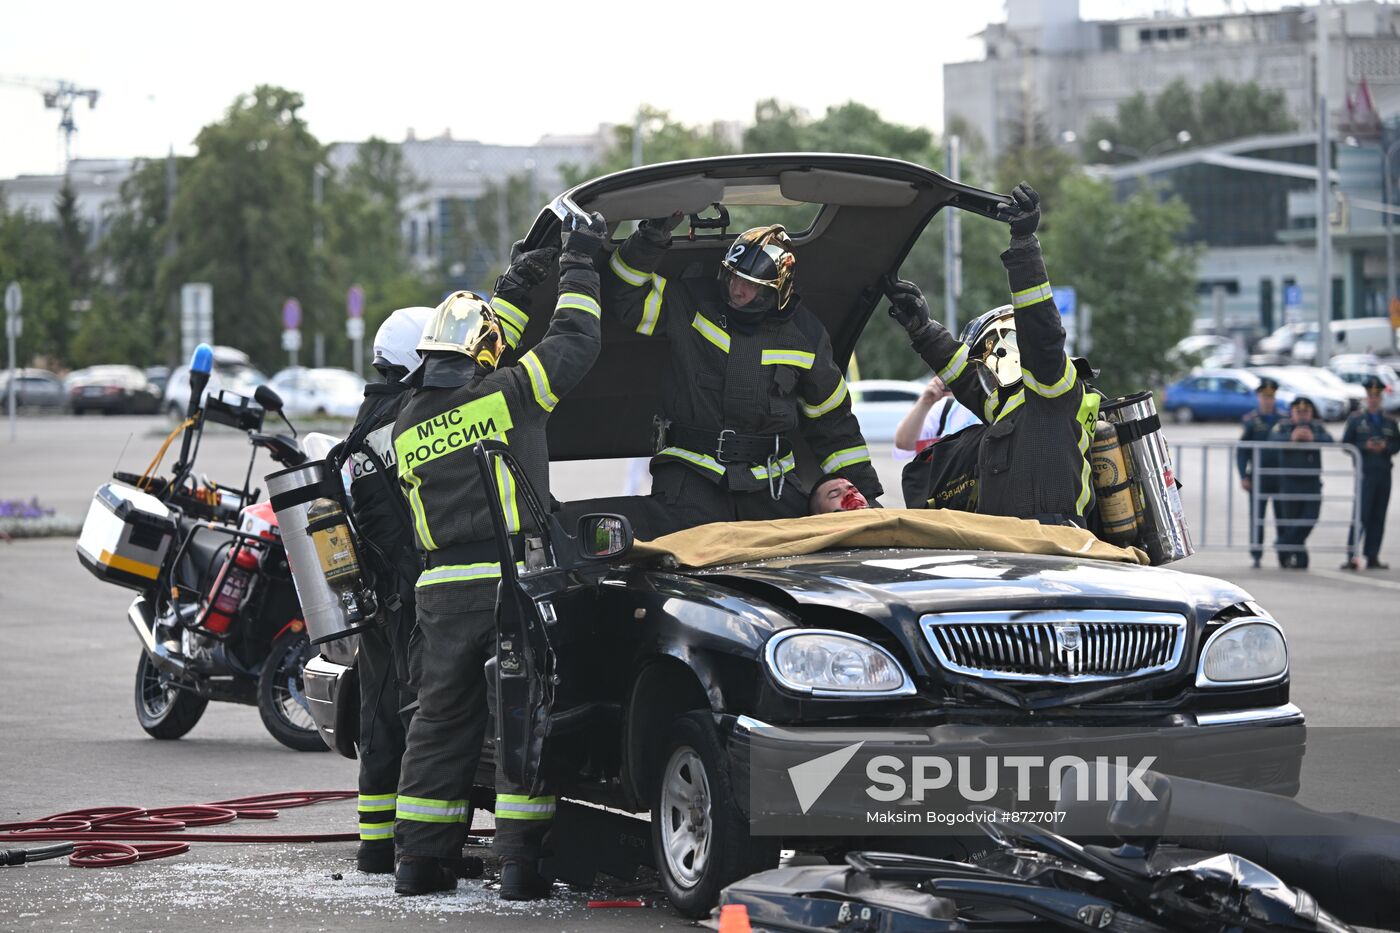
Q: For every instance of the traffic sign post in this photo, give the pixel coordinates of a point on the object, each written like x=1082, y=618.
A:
x=355, y=325
x=291, y=328
x=1067, y=300
x=14, y=301
x=196, y=317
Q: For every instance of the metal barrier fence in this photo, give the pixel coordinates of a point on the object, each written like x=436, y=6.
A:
x=1221, y=518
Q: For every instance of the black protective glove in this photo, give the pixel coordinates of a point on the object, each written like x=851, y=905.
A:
x=1022, y=212
x=528, y=268
x=581, y=243
x=907, y=305
x=657, y=230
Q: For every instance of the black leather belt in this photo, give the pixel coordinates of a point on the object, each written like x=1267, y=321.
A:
x=477, y=552
x=726, y=446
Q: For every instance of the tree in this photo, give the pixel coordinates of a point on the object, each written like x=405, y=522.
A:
x=247, y=223
x=31, y=253
x=663, y=140
x=1128, y=264
x=1219, y=111
x=130, y=318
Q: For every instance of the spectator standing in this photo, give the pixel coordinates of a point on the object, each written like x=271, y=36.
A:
x=1258, y=424
x=1299, y=482
x=1377, y=436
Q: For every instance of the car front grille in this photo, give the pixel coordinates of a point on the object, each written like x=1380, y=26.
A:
x=1056, y=647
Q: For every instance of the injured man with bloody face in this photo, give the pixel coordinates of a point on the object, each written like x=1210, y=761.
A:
x=836, y=494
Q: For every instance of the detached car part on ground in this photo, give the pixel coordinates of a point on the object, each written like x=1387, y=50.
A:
x=646, y=683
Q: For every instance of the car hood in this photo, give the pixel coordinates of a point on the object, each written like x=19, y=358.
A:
x=881, y=583
x=873, y=211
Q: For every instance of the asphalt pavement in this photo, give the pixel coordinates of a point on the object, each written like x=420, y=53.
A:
x=70, y=737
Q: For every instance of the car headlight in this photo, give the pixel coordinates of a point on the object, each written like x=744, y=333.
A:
x=1245, y=651
x=818, y=662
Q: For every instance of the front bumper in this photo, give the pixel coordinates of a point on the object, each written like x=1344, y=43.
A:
x=332, y=697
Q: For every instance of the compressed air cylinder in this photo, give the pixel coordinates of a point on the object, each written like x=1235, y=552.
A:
x=1120, y=512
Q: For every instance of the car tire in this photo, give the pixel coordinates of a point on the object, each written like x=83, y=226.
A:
x=699, y=834
x=1183, y=415
x=282, y=697
x=164, y=710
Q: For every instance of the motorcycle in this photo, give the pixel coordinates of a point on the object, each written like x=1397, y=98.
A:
x=217, y=613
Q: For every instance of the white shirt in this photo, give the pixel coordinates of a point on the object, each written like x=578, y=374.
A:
x=958, y=418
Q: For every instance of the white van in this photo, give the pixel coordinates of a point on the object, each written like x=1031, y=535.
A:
x=1358, y=335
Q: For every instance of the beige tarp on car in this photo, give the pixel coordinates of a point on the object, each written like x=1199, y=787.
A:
x=940, y=529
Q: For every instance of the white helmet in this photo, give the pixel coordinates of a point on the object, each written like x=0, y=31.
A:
x=396, y=341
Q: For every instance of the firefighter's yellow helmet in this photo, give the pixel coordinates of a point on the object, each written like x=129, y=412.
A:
x=464, y=323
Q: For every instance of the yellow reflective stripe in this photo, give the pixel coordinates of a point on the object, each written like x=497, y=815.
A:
x=118, y=562
x=782, y=467
x=1083, y=440
x=625, y=272
x=505, y=482
x=955, y=366
x=651, y=306
x=420, y=515
x=837, y=396
x=582, y=302
x=989, y=407
x=798, y=358
x=690, y=456
x=372, y=831
x=1013, y=403
x=377, y=801
x=458, y=573
x=1085, y=477
x=428, y=810
x=844, y=458
x=710, y=331
x=513, y=320
x=1033, y=295
x=1056, y=389
x=517, y=807
x=539, y=381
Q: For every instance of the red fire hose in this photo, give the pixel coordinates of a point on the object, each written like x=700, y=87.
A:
x=97, y=830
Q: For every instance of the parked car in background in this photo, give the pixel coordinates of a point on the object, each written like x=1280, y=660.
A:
x=1214, y=395
x=1280, y=342
x=1332, y=404
x=34, y=389
x=1357, y=335
x=112, y=390
x=1206, y=351
x=335, y=392
x=159, y=376
x=880, y=404
x=1355, y=369
x=232, y=370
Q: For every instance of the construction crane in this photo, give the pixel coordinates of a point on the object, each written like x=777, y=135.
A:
x=61, y=96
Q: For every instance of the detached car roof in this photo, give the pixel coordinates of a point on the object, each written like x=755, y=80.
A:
x=868, y=213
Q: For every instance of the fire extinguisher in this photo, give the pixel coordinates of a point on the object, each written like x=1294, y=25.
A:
x=229, y=589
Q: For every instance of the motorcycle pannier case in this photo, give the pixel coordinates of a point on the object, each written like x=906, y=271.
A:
x=126, y=536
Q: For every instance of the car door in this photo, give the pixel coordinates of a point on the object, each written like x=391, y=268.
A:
x=1236, y=398
x=549, y=656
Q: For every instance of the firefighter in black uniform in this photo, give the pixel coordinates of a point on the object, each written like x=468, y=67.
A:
x=1299, y=495
x=380, y=516
x=1258, y=425
x=752, y=366
x=1012, y=371
x=1377, y=436
x=462, y=397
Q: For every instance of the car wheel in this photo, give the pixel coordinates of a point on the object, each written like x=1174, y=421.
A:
x=1183, y=415
x=700, y=837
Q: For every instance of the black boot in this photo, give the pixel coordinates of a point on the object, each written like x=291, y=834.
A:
x=521, y=880
x=376, y=857
x=418, y=874
x=1374, y=563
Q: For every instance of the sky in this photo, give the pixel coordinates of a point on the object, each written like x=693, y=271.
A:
x=500, y=72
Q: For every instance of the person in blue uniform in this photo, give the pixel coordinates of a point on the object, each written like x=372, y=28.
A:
x=1299, y=481
x=1377, y=436
x=1257, y=426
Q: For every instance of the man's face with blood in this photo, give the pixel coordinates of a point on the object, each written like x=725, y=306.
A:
x=837, y=495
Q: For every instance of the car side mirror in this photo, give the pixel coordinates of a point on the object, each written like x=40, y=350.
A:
x=603, y=536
